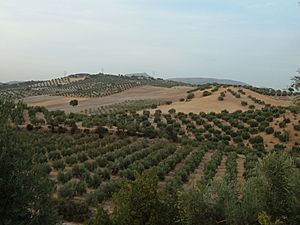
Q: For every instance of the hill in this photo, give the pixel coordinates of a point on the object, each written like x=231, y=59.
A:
x=202, y=80
x=82, y=85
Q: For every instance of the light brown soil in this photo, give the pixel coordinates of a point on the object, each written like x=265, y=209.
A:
x=40, y=116
x=196, y=176
x=74, y=79
x=136, y=93
x=26, y=117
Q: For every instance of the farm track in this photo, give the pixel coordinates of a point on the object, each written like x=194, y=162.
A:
x=221, y=170
x=241, y=159
x=196, y=176
x=171, y=174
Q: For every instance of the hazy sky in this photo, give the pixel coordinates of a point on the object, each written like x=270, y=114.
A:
x=255, y=41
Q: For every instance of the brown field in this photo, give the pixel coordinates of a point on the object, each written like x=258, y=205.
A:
x=136, y=93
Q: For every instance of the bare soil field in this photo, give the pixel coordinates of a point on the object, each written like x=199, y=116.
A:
x=136, y=93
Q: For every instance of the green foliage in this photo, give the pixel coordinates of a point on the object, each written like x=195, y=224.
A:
x=139, y=203
x=101, y=218
x=73, y=211
x=26, y=192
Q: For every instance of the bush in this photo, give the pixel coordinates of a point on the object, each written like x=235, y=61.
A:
x=269, y=130
x=256, y=140
x=297, y=127
x=282, y=124
x=64, y=177
x=206, y=93
x=54, y=155
x=190, y=96
x=59, y=164
x=244, y=103
x=72, y=188
x=172, y=111
x=220, y=98
x=253, y=123
x=78, y=170
x=284, y=137
x=74, y=211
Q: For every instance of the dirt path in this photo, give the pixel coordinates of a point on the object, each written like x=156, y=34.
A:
x=171, y=174
x=196, y=176
x=221, y=170
x=241, y=159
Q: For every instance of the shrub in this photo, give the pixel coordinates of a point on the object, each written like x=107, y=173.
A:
x=190, y=96
x=253, y=123
x=72, y=188
x=256, y=140
x=297, y=127
x=206, y=93
x=82, y=157
x=54, y=155
x=284, y=137
x=172, y=111
x=282, y=124
x=244, y=103
x=64, y=177
x=72, y=159
x=59, y=164
x=269, y=130
x=78, y=170
x=220, y=98
x=74, y=211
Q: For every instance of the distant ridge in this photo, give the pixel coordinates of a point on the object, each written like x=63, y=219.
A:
x=203, y=80
x=146, y=75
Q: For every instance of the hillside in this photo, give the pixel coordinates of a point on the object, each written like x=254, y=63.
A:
x=82, y=85
x=191, y=136
x=231, y=103
x=202, y=80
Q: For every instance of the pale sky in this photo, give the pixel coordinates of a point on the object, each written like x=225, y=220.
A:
x=254, y=41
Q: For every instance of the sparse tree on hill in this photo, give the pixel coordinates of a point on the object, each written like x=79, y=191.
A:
x=74, y=102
